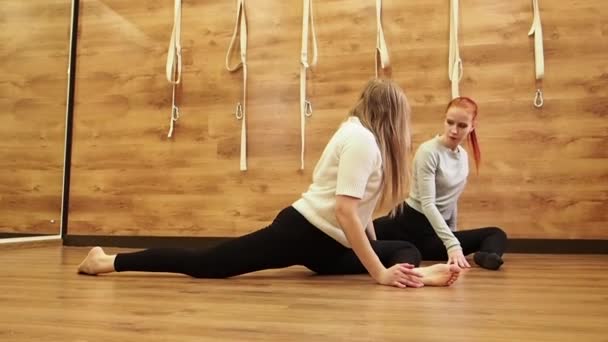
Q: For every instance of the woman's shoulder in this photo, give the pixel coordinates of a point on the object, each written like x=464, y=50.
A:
x=353, y=130
x=429, y=147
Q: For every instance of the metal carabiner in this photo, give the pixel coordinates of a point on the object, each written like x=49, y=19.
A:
x=239, y=111
x=538, y=98
x=307, y=108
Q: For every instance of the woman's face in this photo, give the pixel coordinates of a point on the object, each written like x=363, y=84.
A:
x=457, y=126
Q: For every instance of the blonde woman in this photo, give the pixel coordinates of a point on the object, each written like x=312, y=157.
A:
x=325, y=230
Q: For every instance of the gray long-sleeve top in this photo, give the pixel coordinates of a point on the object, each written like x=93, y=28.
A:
x=439, y=177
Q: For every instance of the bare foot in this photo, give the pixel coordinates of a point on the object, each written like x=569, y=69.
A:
x=97, y=261
x=439, y=274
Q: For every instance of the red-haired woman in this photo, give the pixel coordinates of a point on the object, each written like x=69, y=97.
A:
x=428, y=217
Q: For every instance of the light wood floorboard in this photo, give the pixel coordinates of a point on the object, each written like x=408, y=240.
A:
x=533, y=298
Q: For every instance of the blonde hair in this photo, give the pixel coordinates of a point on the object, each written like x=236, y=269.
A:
x=383, y=108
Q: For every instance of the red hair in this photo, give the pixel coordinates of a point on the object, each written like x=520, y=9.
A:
x=469, y=105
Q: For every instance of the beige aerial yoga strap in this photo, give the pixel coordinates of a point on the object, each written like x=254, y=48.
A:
x=174, y=62
x=539, y=57
x=241, y=108
x=381, y=56
x=455, y=63
x=305, y=105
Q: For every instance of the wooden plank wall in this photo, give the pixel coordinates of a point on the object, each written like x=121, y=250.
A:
x=33, y=65
x=544, y=173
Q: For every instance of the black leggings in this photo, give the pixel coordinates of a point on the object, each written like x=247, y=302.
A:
x=289, y=240
x=411, y=225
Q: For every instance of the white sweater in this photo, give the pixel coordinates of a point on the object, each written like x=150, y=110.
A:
x=350, y=165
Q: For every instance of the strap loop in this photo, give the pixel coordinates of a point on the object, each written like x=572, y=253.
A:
x=240, y=28
x=305, y=104
x=539, y=55
x=381, y=57
x=173, y=68
x=455, y=67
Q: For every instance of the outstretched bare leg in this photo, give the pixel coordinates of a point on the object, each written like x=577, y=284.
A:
x=96, y=262
x=439, y=274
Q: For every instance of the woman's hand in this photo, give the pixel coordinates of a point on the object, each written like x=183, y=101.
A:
x=456, y=257
x=400, y=275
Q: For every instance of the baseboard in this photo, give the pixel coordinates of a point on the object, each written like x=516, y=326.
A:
x=541, y=246
x=34, y=242
x=22, y=235
x=558, y=246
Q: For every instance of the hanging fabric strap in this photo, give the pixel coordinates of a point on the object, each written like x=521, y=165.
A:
x=455, y=70
x=539, y=55
x=381, y=57
x=241, y=107
x=174, y=62
x=305, y=105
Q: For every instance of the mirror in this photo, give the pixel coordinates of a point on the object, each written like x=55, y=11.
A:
x=34, y=57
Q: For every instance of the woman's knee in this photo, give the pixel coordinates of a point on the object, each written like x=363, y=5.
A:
x=498, y=232
x=407, y=253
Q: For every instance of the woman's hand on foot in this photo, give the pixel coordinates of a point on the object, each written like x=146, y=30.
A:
x=457, y=258
x=400, y=275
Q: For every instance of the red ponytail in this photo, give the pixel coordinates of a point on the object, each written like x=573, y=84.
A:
x=470, y=105
x=475, y=147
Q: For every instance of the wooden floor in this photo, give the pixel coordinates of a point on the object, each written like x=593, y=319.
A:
x=533, y=298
